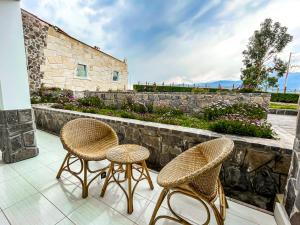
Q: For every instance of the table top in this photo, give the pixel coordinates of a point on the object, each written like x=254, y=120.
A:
x=127, y=153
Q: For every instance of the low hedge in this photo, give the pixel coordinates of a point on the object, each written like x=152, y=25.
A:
x=160, y=88
x=287, y=98
x=241, y=128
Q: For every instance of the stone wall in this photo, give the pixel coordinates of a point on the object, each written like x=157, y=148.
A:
x=17, y=139
x=53, y=56
x=254, y=173
x=35, y=35
x=292, y=195
x=187, y=102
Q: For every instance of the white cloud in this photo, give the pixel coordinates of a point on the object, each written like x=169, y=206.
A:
x=216, y=52
x=193, y=53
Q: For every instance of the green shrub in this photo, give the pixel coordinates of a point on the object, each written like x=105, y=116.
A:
x=249, y=110
x=92, y=101
x=70, y=107
x=52, y=95
x=155, y=88
x=167, y=111
x=128, y=115
x=287, y=98
x=89, y=110
x=57, y=106
x=242, y=128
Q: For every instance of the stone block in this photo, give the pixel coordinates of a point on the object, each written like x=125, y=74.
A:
x=16, y=143
x=255, y=159
x=25, y=115
x=264, y=183
x=29, y=139
x=290, y=197
x=11, y=116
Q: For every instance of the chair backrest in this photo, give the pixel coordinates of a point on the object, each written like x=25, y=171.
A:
x=214, y=152
x=83, y=131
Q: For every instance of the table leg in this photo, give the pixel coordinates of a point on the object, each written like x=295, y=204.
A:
x=148, y=175
x=130, y=197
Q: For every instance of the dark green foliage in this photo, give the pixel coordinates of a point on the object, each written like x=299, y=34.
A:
x=287, y=98
x=128, y=115
x=93, y=101
x=261, y=59
x=220, y=109
x=167, y=111
x=241, y=128
x=154, y=88
x=151, y=88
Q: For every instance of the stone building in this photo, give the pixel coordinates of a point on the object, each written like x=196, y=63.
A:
x=56, y=59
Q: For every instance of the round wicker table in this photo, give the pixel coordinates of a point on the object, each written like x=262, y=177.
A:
x=133, y=158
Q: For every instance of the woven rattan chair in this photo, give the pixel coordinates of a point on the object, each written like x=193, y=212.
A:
x=195, y=173
x=86, y=140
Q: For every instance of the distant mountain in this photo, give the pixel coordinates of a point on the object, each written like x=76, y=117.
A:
x=293, y=83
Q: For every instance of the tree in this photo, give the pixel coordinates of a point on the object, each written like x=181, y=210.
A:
x=262, y=65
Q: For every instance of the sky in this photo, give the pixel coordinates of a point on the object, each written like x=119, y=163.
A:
x=180, y=41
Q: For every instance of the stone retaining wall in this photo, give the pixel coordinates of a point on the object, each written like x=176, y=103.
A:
x=289, y=112
x=187, y=102
x=254, y=173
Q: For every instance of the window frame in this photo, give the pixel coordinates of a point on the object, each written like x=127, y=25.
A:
x=85, y=69
x=118, y=79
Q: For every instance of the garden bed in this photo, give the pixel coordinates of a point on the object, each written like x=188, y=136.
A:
x=228, y=117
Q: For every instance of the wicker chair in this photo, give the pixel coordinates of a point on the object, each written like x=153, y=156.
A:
x=86, y=140
x=195, y=173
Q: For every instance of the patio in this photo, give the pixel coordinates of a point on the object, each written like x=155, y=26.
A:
x=30, y=194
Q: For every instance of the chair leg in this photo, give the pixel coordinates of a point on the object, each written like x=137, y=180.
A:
x=217, y=214
x=130, y=197
x=148, y=175
x=110, y=170
x=85, y=186
x=62, y=166
x=161, y=198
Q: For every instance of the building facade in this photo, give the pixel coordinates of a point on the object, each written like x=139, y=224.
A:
x=55, y=59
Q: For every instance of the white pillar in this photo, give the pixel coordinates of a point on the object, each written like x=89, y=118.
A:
x=14, y=87
x=17, y=139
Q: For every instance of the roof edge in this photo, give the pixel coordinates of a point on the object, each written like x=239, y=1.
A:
x=66, y=34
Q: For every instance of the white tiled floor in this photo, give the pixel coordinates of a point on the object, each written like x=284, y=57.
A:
x=30, y=195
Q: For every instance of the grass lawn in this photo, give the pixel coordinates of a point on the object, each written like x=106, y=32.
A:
x=277, y=105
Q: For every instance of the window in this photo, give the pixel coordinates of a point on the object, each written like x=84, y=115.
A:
x=81, y=70
x=116, y=76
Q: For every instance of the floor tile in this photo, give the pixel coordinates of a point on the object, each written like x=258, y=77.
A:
x=3, y=219
x=250, y=214
x=49, y=157
x=38, y=211
x=7, y=173
x=65, y=195
x=146, y=216
x=27, y=165
x=115, y=198
x=144, y=190
x=41, y=178
x=65, y=221
x=14, y=190
x=95, y=212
